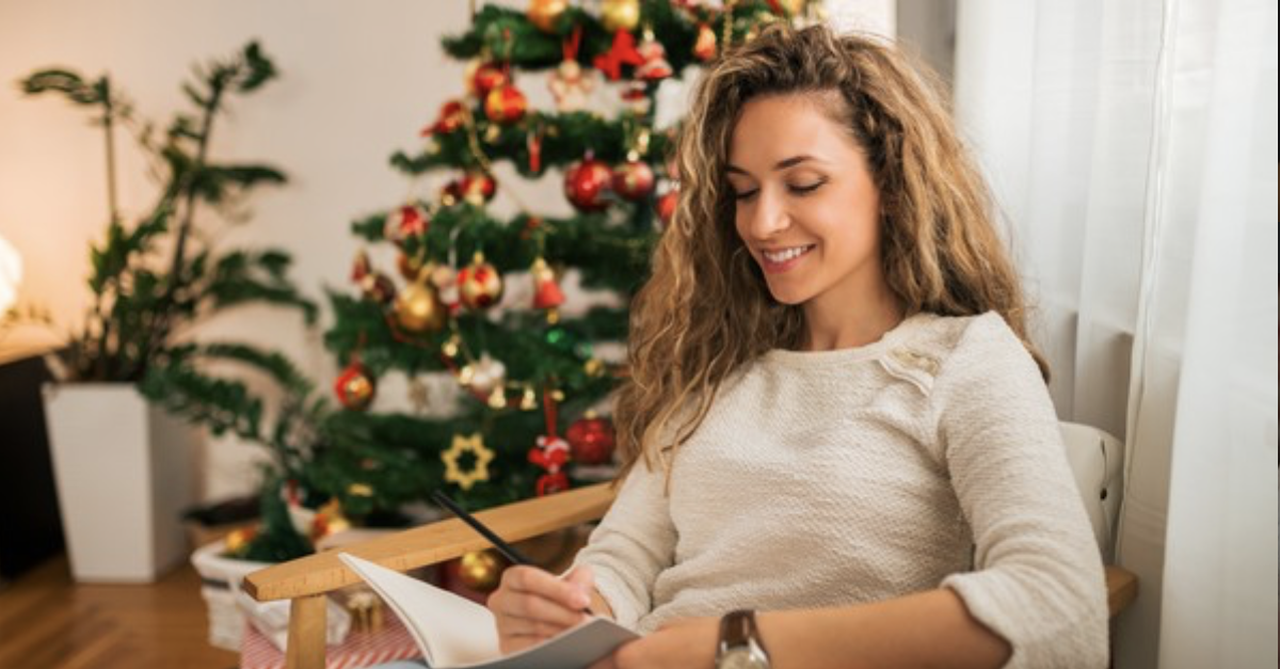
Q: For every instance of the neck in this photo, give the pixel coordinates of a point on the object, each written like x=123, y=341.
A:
x=856, y=323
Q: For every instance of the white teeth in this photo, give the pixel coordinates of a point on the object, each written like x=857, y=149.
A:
x=785, y=254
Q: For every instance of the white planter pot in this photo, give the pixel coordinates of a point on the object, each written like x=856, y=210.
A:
x=125, y=472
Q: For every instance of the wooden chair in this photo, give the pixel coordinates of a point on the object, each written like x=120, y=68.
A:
x=306, y=580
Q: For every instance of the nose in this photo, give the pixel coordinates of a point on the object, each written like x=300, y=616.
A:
x=767, y=216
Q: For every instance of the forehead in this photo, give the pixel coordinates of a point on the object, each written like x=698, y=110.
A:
x=777, y=127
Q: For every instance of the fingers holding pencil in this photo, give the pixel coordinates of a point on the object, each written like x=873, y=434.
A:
x=532, y=605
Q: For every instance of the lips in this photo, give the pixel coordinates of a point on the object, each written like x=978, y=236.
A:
x=783, y=259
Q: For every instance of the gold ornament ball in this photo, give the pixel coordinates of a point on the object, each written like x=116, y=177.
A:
x=545, y=13
x=358, y=391
x=479, y=284
x=238, y=540
x=480, y=570
x=354, y=388
x=793, y=7
x=418, y=308
x=620, y=14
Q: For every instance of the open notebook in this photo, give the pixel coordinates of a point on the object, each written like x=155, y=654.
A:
x=456, y=633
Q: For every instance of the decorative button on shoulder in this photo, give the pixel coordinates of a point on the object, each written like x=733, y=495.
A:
x=920, y=361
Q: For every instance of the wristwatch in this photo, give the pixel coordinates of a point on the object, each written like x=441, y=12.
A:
x=740, y=644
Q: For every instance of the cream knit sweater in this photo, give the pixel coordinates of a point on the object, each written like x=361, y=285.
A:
x=931, y=458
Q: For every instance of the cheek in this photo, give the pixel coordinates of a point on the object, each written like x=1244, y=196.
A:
x=854, y=218
x=740, y=220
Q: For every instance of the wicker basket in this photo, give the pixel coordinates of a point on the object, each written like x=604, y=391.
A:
x=220, y=580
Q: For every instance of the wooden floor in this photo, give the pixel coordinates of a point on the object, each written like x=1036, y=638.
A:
x=49, y=622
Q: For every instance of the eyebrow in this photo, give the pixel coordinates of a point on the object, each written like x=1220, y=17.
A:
x=780, y=165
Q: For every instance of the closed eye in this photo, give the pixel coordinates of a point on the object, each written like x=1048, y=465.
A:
x=805, y=189
x=797, y=189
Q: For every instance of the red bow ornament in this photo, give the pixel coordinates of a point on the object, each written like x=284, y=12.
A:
x=622, y=53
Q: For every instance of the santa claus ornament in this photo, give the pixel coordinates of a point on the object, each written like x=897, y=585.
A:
x=551, y=454
x=570, y=84
x=654, y=67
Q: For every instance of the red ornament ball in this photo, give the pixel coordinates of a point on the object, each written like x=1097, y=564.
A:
x=478, y=187
x=409, y=220
x=354, y=387
x=591, y=440
x=452, y=116
x=667, y=206
x=505, y=104
x=487, y=77
x=474, y=188
x=586, y=184
x=633, y=180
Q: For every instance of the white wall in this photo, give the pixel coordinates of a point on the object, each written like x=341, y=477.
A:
x=358, y=81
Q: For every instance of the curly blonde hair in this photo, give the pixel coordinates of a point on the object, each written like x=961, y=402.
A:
x=706, y=309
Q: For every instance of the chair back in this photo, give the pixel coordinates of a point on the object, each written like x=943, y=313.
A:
x=1097, y=461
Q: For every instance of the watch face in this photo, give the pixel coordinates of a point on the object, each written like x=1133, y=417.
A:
x=742, y=658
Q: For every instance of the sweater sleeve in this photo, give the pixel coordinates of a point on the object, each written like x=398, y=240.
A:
x=634, y=542
x=1038, y=580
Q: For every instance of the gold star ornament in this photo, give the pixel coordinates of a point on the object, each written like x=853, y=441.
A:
x=479, y=471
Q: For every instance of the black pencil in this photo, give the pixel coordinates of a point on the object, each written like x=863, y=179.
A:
x=507, y=550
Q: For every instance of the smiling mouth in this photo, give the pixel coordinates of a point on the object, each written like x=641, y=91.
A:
x=785, y=255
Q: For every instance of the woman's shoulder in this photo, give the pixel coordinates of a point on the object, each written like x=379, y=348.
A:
x=940, y=344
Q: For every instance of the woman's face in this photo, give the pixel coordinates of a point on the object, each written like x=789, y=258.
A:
x=807, y=207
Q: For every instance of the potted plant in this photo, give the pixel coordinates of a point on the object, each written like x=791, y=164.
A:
x=133, y=381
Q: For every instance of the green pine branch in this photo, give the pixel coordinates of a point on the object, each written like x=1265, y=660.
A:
x=609, y=256
x=506, y=34
x=565, y=136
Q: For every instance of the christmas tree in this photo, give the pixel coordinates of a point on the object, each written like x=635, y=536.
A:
x=529, y=373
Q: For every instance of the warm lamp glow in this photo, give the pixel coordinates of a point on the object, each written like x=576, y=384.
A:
x=10, y=275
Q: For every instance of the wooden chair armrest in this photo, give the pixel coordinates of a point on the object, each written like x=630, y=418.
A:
x=1122, y=589
x=430, y=544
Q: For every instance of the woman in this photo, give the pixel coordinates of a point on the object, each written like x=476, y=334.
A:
x=835, y=427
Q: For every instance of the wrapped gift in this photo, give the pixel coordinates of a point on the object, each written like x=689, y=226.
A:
x=360, y=648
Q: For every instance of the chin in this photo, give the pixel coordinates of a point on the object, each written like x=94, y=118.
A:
x=788, y=297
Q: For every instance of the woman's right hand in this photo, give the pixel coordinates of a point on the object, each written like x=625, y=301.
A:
x=532, y=605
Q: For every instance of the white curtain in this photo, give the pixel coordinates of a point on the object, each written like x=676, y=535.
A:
x=1132, y=147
